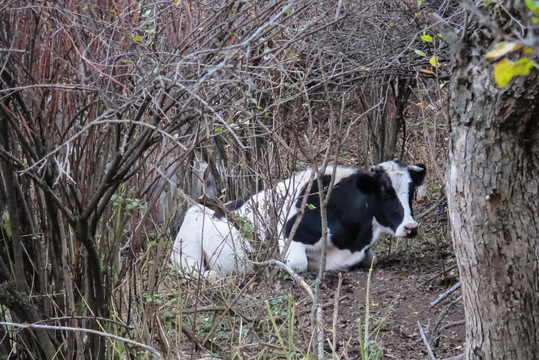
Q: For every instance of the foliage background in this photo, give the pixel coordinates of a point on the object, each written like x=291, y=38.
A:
x=105, y=105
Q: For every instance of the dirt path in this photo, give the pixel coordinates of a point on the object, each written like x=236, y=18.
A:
x=400, y=297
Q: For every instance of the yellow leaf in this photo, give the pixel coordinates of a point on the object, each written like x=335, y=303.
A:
x=527, y=50
x=415, y=312
x=426, y=38
x=505, y=70
x=421, y=105
x=434, y=61
x=427, y=71
x=501, y=49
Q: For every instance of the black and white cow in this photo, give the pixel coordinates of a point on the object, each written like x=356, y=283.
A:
x=362, y=206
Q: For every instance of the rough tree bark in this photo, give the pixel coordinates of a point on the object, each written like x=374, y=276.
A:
x=493, y=194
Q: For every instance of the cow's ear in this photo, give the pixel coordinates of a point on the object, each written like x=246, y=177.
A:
x=366, y=183
x=417, y=173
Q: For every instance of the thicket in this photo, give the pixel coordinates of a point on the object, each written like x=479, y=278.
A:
x=105, y=107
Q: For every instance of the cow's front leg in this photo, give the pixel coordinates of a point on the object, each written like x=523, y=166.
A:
x=369, y=259
x=296, y=257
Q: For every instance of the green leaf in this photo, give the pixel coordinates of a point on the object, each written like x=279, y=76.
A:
x=505, y=70
x=533, y=5
x=426, y=38
x=434, y=61
x=147, y=13
x=138, y=38
x=420, y=53
x=310, y=206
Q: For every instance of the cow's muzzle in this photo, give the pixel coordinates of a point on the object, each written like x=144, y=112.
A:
x=410, y=229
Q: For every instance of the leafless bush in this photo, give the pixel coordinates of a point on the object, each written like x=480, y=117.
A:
x=107, y=105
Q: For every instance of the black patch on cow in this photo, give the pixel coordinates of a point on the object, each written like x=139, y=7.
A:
x=417, y=179
x=310, y=227
x=229, y=206
x=418, y=176
x=349, y=213
x=366, y=183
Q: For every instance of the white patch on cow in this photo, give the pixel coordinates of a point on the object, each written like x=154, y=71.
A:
x=336, y=259
x=206, y=243
x=400, y=179
x=296, y=256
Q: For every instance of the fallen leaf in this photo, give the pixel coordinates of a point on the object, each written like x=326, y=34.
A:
x=501, y=49
x=427, y=71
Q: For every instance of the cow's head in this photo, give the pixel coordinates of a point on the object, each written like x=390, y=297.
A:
x=393, y=185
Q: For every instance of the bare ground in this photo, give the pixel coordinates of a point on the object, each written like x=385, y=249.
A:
x=234, y=316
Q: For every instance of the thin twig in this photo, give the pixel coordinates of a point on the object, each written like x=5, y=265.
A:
x=438, y=275
x=445, y=294
x=458, y=357
x=443, y=314
x=452, y=324
x=324, y=305
x=336, y=315
x=151, y=349
x=292, y=273
x=96, y=318
x=426, y=342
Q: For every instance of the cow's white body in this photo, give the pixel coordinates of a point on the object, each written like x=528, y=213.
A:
x=208, y=243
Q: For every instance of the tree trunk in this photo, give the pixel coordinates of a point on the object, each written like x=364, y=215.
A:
x=493, y=186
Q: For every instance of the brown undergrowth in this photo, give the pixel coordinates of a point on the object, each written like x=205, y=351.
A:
x=266, y=315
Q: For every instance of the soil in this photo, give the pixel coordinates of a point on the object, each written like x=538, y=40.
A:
x=408, y=277
x=401, y=296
